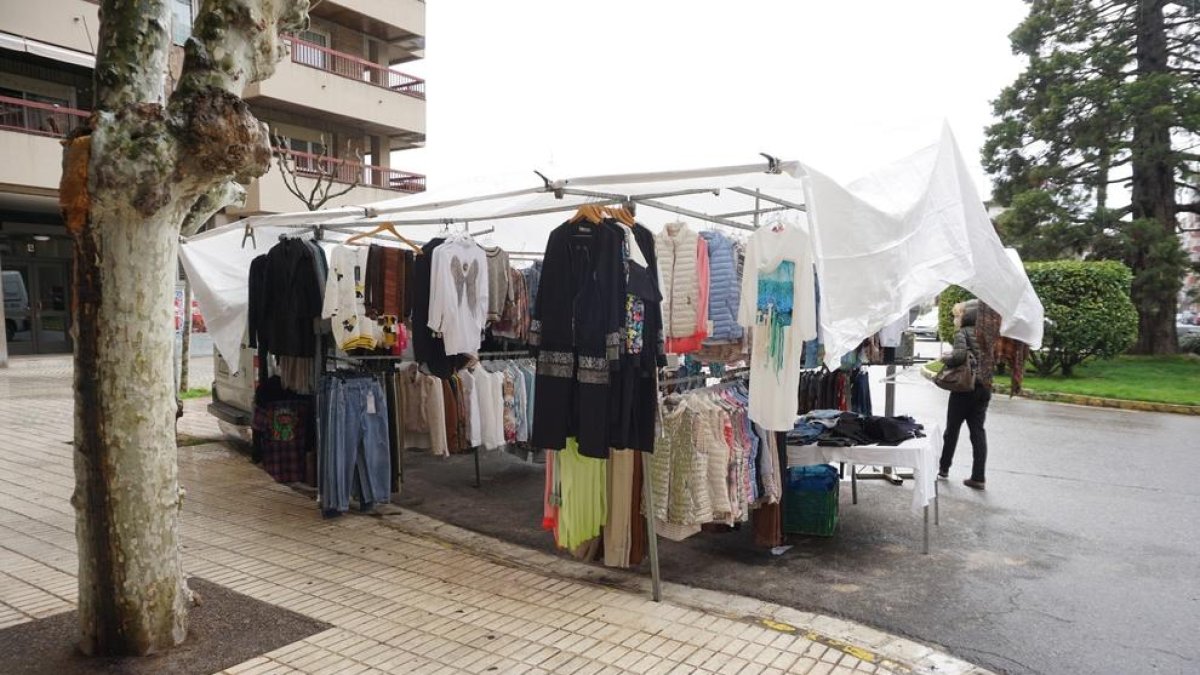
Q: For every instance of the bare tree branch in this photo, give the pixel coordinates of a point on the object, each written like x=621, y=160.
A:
x=321, y=169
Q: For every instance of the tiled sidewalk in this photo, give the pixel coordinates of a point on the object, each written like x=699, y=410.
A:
x=404, y=596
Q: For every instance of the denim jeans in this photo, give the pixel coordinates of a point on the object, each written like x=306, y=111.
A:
x=355, y=443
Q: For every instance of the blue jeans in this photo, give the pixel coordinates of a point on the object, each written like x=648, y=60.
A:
x=355, y=443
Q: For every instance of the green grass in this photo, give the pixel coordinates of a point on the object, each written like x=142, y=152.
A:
x=195, y=392
x=1156, y=379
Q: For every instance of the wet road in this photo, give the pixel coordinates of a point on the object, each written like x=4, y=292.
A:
x=1081, y=557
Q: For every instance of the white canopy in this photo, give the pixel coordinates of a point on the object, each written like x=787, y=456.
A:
x=882, y=244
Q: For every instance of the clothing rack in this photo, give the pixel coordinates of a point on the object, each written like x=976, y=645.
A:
x=729, y=375
x=514, y=354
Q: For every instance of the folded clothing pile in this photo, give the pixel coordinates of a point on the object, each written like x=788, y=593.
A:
x=838, y=428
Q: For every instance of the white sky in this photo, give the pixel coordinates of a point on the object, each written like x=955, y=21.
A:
x=577, y=88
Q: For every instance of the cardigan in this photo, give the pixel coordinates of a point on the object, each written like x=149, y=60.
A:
x=576, y=330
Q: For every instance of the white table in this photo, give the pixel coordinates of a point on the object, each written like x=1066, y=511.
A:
x=920, y=454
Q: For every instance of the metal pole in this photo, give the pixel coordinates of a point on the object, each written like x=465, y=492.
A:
x=854, y=482
x=925, y=549
x=651, y=533
x=889, y=409
x=185, y=351
x=937, y=505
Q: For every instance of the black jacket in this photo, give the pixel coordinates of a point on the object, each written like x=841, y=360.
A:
x=289, y=299
x=966, y=342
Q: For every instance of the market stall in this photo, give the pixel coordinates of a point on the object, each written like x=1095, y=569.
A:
x=873, y=248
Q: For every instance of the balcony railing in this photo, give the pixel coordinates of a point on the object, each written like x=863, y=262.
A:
x=343, y=171
x=43, y=119
x=354, y=68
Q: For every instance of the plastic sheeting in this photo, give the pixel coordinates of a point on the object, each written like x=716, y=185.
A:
x=901, y=235
x=882, y=244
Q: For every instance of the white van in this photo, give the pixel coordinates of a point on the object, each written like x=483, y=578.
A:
x=16, y=300
x=233, y=392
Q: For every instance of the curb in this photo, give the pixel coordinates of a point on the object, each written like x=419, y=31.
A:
x=1091, y=401
x=893, y=653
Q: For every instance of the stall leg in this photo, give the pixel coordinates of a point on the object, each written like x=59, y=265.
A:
x=854, y=482
x=651, y=534
x=925, y=548
x=937, y=506
x=478, y=483
x=889, y=409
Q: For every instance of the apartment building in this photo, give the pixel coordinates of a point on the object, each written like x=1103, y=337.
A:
x=339, y=105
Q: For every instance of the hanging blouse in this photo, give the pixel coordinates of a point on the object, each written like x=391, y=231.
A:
x=458, y=295
x=777, y=305
x=344, y=303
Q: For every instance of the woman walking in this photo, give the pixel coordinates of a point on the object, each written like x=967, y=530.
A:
x=969, y=406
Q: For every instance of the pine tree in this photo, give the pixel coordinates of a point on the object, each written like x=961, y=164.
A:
x=1095, y=148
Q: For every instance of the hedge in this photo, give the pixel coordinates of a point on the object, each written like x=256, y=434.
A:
x=1087, y=306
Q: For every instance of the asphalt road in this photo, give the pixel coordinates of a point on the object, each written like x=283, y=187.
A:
x=1081, y=557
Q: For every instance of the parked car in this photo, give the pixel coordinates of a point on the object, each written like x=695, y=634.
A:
x=925, y=327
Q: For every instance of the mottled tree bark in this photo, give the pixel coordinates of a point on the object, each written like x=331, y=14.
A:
x=143, y=167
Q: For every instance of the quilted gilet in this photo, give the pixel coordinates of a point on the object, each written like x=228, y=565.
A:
x=675, y=247
x=724, y=288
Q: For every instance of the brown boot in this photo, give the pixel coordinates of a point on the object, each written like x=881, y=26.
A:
x=975, y=484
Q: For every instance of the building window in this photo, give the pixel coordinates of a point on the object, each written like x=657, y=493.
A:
x=308, y=54
x=181, y=21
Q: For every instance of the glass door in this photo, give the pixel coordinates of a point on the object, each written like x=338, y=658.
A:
x=37, y=307
x=52, y=309
x=18, y=308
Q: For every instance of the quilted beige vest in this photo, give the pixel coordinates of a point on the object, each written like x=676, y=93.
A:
x=675, y=247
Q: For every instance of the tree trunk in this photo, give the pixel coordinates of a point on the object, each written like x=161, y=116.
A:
x=1153, y=192
x=140, y=169
x=132, y=593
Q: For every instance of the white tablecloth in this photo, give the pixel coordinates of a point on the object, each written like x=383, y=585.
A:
x=919, y=454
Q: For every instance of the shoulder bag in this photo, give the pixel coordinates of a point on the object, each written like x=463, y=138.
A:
x=960, y=378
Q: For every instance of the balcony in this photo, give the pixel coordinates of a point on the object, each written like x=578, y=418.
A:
x=316, y=81
x=354, y=68
x=269, y=194
x=29, y=139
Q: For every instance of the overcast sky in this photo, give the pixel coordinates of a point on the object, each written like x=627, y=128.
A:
x=576, y=88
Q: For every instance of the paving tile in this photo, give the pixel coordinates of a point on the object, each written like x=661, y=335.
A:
x=401, y=601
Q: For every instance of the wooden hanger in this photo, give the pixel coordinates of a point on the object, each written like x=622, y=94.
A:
x=623, y=216
x=390, y=229
x=590, y=213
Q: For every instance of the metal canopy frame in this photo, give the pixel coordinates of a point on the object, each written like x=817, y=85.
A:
x=353, y=219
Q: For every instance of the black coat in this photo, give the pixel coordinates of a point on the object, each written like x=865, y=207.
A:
x=287, y=300
x=576, y=330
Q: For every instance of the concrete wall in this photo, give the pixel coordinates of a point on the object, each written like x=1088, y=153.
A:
x=406, y=14
x=324, y=91
x=34, y=165
x=66, y=23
